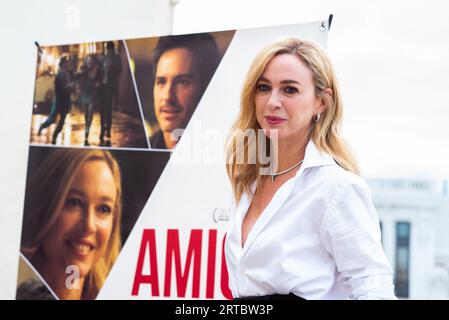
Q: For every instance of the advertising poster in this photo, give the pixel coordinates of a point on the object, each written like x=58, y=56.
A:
x=126, y=194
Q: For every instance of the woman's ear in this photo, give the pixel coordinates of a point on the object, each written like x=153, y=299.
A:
x=325, y=99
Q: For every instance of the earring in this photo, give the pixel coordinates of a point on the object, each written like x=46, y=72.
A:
x=316, y=117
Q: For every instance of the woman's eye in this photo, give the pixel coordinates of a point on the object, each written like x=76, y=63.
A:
x=73, y=202
x=262, y=87
x=105, y=209
x=290, y=90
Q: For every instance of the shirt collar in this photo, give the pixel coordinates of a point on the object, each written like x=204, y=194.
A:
x=312, y=158
x=315, y=158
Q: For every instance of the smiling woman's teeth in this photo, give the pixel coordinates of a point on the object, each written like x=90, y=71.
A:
x=81, y=248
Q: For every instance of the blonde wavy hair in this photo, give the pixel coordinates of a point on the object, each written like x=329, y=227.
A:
x=325, y=133
x=46, y=194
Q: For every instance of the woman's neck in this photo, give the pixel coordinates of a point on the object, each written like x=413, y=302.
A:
x=65, y=286
x=290, y=152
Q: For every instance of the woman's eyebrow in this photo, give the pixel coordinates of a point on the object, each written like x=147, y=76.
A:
x=76, y=191
x=286, y=81
x=107, y=199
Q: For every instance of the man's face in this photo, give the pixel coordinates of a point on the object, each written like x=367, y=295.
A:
x=65, y=65
x=90, y=62
x=176, y=89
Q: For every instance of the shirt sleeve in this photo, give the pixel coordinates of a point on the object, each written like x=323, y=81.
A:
x=350, y=233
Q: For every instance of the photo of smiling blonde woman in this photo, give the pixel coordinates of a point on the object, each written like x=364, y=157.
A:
x=72, y=221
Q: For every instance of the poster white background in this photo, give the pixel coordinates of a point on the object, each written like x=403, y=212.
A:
x=390, y=57
x=194, y=182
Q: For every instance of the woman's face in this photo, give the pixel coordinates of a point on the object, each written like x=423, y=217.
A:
x=285, y=98
x=82, y=231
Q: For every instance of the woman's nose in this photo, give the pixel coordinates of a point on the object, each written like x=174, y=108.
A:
x=274, y=101
x=89, y=221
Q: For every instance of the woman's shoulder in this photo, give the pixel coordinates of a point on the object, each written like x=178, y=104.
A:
x=33, y=289
x=339, y=178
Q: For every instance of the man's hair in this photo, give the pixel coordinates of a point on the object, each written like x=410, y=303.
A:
x=203, y=47
x=110, y=45
x=63, y=60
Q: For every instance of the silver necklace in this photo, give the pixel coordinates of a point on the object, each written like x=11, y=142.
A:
x=274, y=175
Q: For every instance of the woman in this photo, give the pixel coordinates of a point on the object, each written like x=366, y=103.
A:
x=71, y=230
x=90, y=78
x=305, y=227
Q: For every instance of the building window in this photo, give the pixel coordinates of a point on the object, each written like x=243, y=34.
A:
x=381, y=233
x=402, y=259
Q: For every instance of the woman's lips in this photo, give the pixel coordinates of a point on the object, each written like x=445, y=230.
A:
x=274, y=120
x=80, y=248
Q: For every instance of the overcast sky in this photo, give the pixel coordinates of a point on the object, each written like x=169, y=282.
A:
x=391, y=58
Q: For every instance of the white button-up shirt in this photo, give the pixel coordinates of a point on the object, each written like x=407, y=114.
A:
x=319, y=238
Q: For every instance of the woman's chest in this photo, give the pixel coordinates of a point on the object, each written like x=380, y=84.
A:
x=259, y=203
x=282, y=237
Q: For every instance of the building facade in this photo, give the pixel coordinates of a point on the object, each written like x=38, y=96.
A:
x=414, y=220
